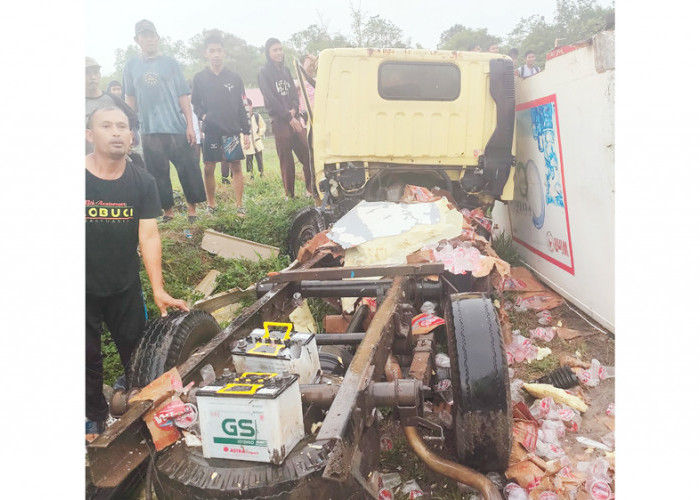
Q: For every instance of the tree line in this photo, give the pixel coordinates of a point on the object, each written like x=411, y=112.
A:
x=574, y=20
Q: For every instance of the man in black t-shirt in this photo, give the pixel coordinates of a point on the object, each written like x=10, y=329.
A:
x=121, y=206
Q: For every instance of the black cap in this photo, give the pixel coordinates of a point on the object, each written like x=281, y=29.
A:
x=145, y=25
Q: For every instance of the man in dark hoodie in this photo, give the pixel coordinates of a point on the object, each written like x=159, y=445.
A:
x=282, y=103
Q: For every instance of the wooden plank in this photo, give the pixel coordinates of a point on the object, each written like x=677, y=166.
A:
x=207, y=285
x=332, y=273
x=224, y=299
x=230, y=247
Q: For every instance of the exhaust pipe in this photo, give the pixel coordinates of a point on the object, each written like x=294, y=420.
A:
x=447, y=468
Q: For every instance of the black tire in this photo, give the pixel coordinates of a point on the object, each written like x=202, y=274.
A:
x=168, y=342
x=482, y=409
x=307, y=223
x=182, y=473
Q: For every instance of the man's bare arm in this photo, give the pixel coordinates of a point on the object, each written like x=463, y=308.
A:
x=149, y=242
x=186, y=108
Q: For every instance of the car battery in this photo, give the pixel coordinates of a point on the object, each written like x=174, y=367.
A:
x=257, y=417
x=275, y=348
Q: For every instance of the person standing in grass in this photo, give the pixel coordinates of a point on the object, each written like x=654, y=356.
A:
x=217, y=98
x=257, y=132
x=282, y=103
x=155, y=88
x=121, y=206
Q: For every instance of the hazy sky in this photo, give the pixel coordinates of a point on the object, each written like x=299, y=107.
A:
x=110, y=25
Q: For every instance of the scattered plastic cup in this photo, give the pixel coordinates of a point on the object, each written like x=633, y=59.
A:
x=514, y=492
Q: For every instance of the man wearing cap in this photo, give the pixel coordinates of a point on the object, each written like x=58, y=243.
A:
x=95, y=98
x=282, y=103
x=156, y=88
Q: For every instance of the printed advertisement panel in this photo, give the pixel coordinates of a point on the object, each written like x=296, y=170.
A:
x=539, y=214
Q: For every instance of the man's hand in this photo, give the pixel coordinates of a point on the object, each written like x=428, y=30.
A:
x=296, y=125
x=163, y=300
x=191, y=137
x=246, y=141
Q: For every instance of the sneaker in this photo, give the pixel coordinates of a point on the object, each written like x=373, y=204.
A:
x=224, y=180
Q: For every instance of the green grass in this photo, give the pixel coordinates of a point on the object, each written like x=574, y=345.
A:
x=504, y=247
x=403, y=460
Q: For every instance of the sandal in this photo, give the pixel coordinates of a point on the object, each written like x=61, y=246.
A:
x=241, y=211
x=192, y=219
x=166, y=218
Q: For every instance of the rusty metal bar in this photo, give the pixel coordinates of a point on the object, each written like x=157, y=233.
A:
x=422, y=358
x=347, y=415
x=337, y=273
x=120, y=448
x=124, y=446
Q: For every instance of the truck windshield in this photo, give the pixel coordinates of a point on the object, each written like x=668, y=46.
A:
x=417, y=81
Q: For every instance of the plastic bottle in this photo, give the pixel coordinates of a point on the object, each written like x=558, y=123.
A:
x=442, y=365
x=297, y=299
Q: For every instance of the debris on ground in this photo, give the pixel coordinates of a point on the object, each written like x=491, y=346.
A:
x=230, y=247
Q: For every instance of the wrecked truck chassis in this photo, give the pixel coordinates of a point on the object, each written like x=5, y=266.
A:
x=339, y=446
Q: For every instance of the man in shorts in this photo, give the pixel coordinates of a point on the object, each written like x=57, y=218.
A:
x=217, y=98
x=121, y=206
x=155, y=87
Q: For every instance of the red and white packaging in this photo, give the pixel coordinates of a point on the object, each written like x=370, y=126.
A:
x=385, y=443
x=544, y=318
x=610, y=410
x=546, y=334
x=514, y=492
x=165, y=416
x=548, y=495
x=385, y=494
x=599, y=490
x=425, y=323
x=188, y=418
x=412, y=490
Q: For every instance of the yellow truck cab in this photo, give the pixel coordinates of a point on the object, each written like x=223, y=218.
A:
x=384, y=118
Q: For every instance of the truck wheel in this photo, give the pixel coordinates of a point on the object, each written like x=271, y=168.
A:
x=307, y=223
x=482, y=409
x=168, y=342
x=182, y=473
